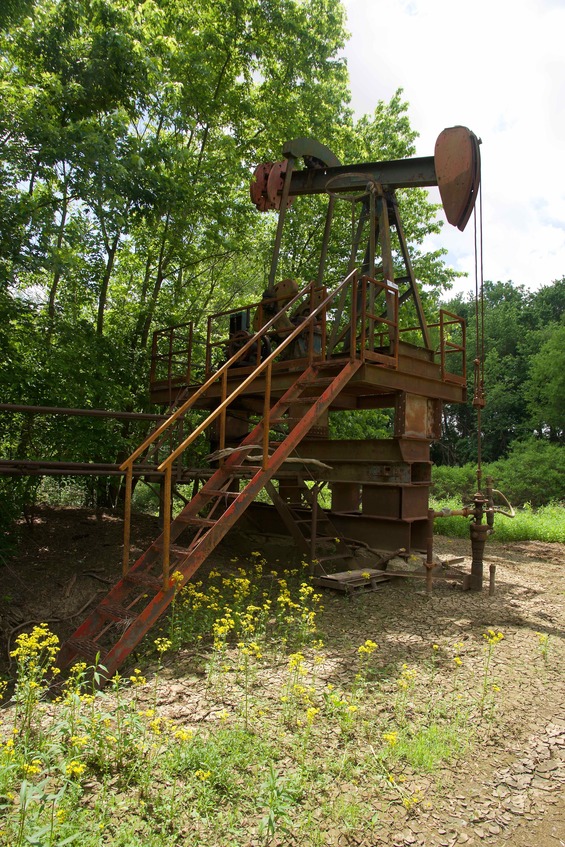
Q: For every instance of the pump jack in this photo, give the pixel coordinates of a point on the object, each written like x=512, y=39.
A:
x=300, y=354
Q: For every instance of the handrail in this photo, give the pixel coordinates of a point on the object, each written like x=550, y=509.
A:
x=230, y=362
x=267, y=362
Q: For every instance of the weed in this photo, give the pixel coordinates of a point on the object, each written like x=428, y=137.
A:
x=492, y=638
x=278, y=801
x=543, y=644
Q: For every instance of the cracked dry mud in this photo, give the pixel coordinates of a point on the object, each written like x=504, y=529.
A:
x=509, y=788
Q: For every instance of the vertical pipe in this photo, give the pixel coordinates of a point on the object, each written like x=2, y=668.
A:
x=127, y=518
x=353, y=337
x=167, y=526
x=491, y=580
x=479, y=534
x=430, y=552
x=223, y=413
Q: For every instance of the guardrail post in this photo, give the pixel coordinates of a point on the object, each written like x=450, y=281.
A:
x=266, y=416
x=353, y=338
x=223, y=415
x=127, y=518
x=167, y=493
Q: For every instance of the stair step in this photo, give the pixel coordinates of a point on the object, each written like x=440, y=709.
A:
x=146, y=580
x=194, y=521
x=87, y=647
x=181, y=552
x=320, y=380
x=116, y=612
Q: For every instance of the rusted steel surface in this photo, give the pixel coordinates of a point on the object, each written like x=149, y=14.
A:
x=455, y=168
x=401, y=173
x=458, y=168
x=29, y=467
x=85, y=413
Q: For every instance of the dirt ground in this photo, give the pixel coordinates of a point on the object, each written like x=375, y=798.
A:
x=508, y=790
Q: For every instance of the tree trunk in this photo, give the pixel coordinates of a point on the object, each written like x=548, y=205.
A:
x=111, y=249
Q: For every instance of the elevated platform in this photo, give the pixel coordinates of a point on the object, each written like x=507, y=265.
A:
x=375, y=385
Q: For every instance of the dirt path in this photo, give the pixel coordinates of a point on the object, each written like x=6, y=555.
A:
x=509, y=790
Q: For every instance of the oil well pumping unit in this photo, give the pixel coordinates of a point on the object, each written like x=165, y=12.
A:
x=269, y=377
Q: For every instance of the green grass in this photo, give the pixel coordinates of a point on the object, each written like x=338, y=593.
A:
x=431, y=745
x=544, y=524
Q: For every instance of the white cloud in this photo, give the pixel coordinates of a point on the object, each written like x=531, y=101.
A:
x=497, y=67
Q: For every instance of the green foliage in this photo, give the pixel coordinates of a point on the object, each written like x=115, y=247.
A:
x=12, y=11
x=451, y=481
x=533, y=472
x=127, y=136
x=545, y=391
x=362, y=424
x=523, y=367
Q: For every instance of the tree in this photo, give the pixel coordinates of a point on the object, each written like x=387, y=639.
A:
x=523, y=369
x=545, y=389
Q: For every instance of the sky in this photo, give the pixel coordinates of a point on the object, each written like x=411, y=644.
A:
x=497, y=67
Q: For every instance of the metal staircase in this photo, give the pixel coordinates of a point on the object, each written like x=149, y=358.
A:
x=119, y=622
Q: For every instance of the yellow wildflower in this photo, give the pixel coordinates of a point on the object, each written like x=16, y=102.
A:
x=75, y=768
